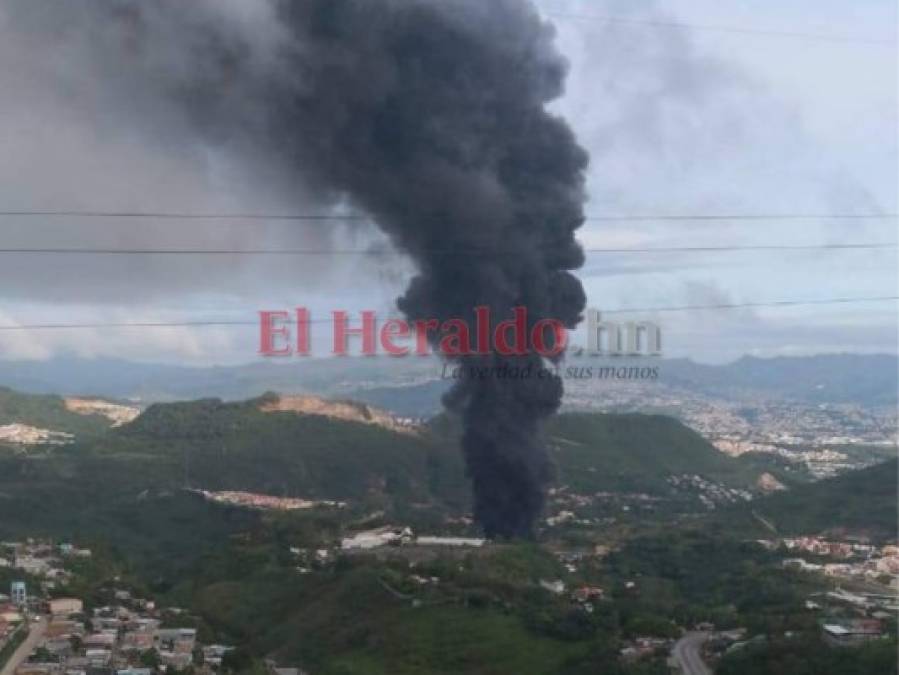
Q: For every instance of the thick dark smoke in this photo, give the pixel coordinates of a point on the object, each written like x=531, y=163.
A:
x=429, y=115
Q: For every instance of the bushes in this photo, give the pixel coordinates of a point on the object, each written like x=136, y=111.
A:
x=811, y=656
x=12, y=645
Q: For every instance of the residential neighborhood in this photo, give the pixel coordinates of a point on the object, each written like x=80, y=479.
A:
x=845, y=559
x=43, y=633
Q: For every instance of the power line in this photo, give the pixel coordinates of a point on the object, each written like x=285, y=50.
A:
x=745, y=216
x=169, y=215
x=760, y=247
x=324, y=217
x=130, y=324
x=628, y=310
x=442, y=252
x=654, y=23
x=746, y=305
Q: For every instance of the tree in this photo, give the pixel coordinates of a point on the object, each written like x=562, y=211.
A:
x=150, y=659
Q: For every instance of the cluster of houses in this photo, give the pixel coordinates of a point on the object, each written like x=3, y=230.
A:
x=402, y=536
x=131, y=636
x=853, y=632
x=711, y=494
x=572, y=508
x=852, y=618
x=852, y=561
x=643, y=647
x=847, y=559
x=837, y=549
x=127, y=638
x=41, y=559
x=583, y=596
x=24, y=434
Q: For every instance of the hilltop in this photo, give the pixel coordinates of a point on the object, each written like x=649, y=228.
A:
x=323, y=451
x=80, y=418
x=350, y=411
x=861, y=503
x=636, y=452
x=339, y=451
x=310, y=447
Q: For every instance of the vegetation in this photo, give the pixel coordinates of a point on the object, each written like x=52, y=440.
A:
x=252, y=578
x=48, y=412
x=416, y=477
x=12, y=645
x=485, y=615
x=859, y=502
x=636, y=453
x=808, y=655
x=694, y=575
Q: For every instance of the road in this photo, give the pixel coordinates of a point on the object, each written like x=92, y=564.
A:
x=687, y=652
x=764, y=521
x=34, y=637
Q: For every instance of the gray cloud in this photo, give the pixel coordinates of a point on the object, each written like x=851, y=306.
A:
x=670, y=123
x=96, y=123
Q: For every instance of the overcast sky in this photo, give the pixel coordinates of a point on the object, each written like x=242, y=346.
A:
x=750, y=111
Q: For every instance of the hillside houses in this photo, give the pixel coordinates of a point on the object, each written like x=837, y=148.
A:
x=23, y=434
x=124, y=636
x=847, y=560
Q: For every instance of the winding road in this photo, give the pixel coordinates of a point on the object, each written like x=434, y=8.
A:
x=688, y=654
x=33, y=639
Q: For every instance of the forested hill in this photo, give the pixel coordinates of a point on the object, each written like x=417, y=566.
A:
x=636, y=453
x=862, y=501
x=859, y=503
x=48, y=412
x=250, y=446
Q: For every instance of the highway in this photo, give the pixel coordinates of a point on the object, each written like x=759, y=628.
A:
x=688, y=654
x=34, y=637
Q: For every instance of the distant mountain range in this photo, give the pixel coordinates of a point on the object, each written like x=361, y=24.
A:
x=414, y=386
x=833, y=378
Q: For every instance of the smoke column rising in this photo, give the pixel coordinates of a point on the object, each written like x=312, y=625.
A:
x=431, y=116
x=428, y=115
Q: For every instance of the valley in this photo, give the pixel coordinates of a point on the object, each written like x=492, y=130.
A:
x=314, y=534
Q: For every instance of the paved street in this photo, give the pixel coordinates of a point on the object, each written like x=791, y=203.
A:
x=37, y=632
x=687, y=653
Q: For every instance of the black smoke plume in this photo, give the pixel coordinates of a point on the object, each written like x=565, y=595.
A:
x=431, y=117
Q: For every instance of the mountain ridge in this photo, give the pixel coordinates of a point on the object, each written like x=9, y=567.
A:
x=866, y=379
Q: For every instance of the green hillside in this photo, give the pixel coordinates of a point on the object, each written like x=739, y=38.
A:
x=254, y=578
x=351, y=623
x=213, y=445
x=636, y=452
x=860, y=502
x=235, y=446
x=47, y=412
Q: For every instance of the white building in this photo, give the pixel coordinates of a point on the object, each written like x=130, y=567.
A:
x=18, y=593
